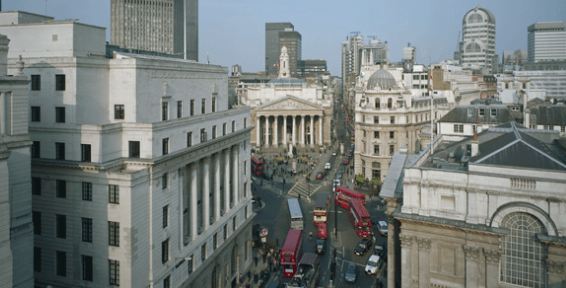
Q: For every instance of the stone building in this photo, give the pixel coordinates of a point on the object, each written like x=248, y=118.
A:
x=139, y=169
x=277, y=36
x=16, y=237
x=288, y=110
x=486, y=211
x=477, y=46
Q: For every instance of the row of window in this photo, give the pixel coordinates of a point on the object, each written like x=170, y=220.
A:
x=376, y=149
x=59, y=82
x=61, y=190
x=87, y=271
x=165, y=108
x=59, y=114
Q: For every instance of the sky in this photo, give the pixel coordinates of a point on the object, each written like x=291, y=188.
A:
x=233, y=31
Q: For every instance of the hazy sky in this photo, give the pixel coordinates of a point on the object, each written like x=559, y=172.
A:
x=233, y=31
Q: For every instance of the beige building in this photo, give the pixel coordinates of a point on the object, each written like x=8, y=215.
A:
x=487, y=211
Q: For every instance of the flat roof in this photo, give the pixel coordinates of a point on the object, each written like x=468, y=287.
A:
x=293, y=237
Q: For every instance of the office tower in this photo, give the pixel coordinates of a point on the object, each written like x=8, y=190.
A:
x=278, y=35
x=164, y=26
x=547, y=42
x=16, y=238
x=477, y=46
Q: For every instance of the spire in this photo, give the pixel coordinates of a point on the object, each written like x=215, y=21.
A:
x=284, y=63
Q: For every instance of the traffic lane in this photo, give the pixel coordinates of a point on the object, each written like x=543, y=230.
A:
x=274, y=216
x=362, y=279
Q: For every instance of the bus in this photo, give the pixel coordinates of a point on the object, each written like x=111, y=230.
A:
x=361, y=219
x=295, y=213
x=320, y=219
x=291, y=253
x=344, y=195
x=257, y=166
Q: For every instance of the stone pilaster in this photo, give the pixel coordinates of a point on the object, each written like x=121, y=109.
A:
x=492, y=258
x=406, y=242
x=424, y=262
x=473, y=267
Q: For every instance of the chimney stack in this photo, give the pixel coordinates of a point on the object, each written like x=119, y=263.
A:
x=475, y=145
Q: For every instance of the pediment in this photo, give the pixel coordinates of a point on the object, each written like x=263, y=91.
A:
x=290, y=103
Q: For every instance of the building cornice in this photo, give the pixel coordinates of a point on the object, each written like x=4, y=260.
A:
x=448, y=223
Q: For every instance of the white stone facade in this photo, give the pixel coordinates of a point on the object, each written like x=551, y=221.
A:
x=149, y=143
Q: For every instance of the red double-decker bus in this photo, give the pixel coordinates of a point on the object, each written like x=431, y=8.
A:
x=361, y=219
x=291, y=253
x=344, y=195
x=257, y=166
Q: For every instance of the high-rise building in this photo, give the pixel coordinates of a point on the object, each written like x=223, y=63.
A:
x=135, y=183
x=16, y=238
x=278, y=35
x=165, y=26
x=477, y=46
x=547, y=42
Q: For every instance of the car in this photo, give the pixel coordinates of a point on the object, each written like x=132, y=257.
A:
x=345, y=161
x=382, y=227
x=327, y=166
x=362, y=247
x=319, y=176
x=351, y=273
x=333, y=153
x=371, y=266
x=378, y=250
x=320, y=246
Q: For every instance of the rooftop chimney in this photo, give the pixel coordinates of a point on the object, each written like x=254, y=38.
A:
x=475, y=145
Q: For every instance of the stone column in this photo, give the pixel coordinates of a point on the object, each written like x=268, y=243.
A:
x=257, y=131
x=285, y=131
x=492, y=267
x=303, y=130
x=424, y=261
x=236, y=172
x=312, y=131
x=406, y=259
x=473, y=270
x=217, y=186
x=391, y=258
x=194, y=188
x=320, y=130
x=206, y=192
x=556, y=269
x=266, y=131
x=184, y=203
x=294, y=132
x=276, y=132
x=226, y=180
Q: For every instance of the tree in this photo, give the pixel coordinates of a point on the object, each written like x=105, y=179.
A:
x=375, y=184
x=360, y=179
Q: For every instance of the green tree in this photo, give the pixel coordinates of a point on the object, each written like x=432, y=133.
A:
x=360, y=179
x=375, y=185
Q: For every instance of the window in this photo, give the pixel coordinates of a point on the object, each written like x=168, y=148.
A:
x=215, y=241
x=164, y=180
x=376, y=134
x=113, y=194
x=36, y=259
x=165, y=146
x=165, y=216
x=87, y=267
x=61, y=226
x=85, y=153
x=203, y=106
x=375, y=119
x=392, y=120
x=389, y=103
x=203, y=252
x=377, y=103
x=60, y=114
x=245, y=167
x=36, y=150
x=233, y=224
x=60, y=82
x=376, y=149
x=36, y=220
x=391, y=149
x=165, y=251
x=35, y=185
x=119, y=112
x=114, y=272
x=458, y=128
x=245, y=122
x=522, y=260
x=224, y=129
x=493, y=112
x=482, y=112
x=61, y=259
x=189, y=139
x=61, y=188
x=190, y=265
x=233, y=126
x=179, y=109
x=213, y=104
x=59, y=151
x=167, y=282
x=164, y=111
x=35, y=82
x=203, y=135
x=225, y=232
x=391, y=134
x=87, y=191
x=213, y=131
x=376, y=170
x=86, y=224
x=134, y=149
x=114, y=233
x=192, y=108
x=35, y=113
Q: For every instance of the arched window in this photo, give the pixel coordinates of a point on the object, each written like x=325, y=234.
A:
x=473, y=48
x=377, y=104
x=475, y=18
x=389, y=103
x=522, y=259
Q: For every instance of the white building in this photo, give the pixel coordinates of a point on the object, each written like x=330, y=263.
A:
x=16, y=238
x=464, y=121
x=547, y=84
x=547, y=42
x=477, y=49
x=139, y=171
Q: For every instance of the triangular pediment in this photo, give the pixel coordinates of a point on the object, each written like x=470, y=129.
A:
x=290, y=103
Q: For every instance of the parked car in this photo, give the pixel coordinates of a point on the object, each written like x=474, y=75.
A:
x=382, y=227
x=327, y=166
x=319, y=176
x=378, y=250
x=320, y=243
x=362, y=247
x=372, y=265
x=351, y=273
x=346, y=161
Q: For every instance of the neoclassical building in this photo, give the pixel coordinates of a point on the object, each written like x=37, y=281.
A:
x=289, y=110
x=487, y=211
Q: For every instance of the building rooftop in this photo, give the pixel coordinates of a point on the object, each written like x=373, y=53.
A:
x=382, y=80
x=549, y=114
x=478, y=114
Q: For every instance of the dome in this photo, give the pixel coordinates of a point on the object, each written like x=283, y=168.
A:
x=382, y=80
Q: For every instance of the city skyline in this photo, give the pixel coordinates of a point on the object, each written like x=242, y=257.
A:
x=322, y=35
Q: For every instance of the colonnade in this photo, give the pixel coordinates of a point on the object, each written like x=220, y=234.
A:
x=302, y=130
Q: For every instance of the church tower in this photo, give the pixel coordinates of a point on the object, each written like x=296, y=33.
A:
x=284, y=63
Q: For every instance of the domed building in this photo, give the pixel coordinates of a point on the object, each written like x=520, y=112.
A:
x=477, y=47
